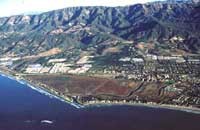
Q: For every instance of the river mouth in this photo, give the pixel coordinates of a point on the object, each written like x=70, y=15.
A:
x=23, y=108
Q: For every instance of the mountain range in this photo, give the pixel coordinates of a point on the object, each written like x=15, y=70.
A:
x=167, y=26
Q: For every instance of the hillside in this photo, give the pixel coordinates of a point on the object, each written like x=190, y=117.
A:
x=166, y=25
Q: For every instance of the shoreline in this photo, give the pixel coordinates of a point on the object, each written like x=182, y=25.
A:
x=52, y=94
x=39, y=89
x=155, y=106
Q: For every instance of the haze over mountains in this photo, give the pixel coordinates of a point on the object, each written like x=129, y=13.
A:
x=171, y=25
x=16, y=7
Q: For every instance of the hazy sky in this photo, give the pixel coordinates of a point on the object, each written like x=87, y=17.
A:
x=13, y=7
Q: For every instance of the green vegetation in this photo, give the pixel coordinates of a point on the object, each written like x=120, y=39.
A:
x=104, y=27
x=169, y=82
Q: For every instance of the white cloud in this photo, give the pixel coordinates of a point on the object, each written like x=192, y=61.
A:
x=13, y=7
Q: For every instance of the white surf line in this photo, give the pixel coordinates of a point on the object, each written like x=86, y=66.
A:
x=51, y=95
x=3, y=75
x=38, y=89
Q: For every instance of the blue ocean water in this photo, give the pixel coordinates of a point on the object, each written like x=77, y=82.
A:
x=22, y=108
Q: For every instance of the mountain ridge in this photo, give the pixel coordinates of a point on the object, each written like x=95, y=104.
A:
x=157, y=22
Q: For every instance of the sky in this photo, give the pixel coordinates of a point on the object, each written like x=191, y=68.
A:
x=15, y=7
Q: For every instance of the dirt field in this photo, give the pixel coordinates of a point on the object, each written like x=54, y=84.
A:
x=81, y=85
x=50, y=52
x=84, y=86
